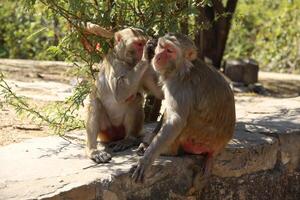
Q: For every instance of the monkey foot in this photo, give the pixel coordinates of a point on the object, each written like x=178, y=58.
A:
x=122, y=145
x=100, y=156
x=141, y=149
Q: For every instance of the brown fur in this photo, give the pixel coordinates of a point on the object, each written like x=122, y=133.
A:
x=212, y=112
x=200, y=108
x=116, y=104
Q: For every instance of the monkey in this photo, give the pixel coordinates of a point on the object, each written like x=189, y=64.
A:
x=149, y=80
x=199, y=117
x=115, y=112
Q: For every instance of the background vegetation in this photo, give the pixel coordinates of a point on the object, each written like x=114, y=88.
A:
x=27, y=34
x=266, y=30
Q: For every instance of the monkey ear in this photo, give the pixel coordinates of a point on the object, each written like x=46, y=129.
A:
x=118, y=37
x=191, y=54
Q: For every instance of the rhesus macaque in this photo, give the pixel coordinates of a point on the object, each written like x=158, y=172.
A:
x=200, y=110
x=115, y=112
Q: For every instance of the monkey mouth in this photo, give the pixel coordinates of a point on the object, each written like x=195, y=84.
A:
x=156, y=67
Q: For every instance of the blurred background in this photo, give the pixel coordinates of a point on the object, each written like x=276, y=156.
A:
x=265, y=30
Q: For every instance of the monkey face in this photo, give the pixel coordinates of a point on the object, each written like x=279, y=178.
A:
x=174, y=53
x=136, y=47
x=167, y=56
x=129, y=44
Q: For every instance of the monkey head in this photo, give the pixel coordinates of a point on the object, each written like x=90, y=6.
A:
x=173, y=52
x=129, y=45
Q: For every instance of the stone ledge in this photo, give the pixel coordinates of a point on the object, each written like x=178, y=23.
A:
x=57, y=168
x=275, y=184
x=260, y=162
x=278, y=118
x=246, y=153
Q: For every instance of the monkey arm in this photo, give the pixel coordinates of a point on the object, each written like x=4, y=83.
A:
x=147, y=139
x=170, y=130
x=126, y=83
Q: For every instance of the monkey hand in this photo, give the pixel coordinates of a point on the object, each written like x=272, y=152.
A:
x=140, y=169
x=149, y=49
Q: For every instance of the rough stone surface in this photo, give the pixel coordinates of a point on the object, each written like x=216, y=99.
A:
x=278, y=118
x=56, y=168
x=245, y=71
x=246, y=153
x=274, y=184
x=260, y=162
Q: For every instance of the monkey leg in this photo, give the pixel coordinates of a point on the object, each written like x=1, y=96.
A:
x=207, y=165
x=147, y=139
x=97, y=120
x=191, y=146
x=145, y=143
x=133, y=124
x=202, y=174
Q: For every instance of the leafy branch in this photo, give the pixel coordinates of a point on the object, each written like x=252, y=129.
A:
x=19, y=103
x=72, y=16
x=61, y=117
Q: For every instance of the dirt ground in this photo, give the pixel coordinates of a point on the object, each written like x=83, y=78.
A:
x=44, y=82
x=13, y=128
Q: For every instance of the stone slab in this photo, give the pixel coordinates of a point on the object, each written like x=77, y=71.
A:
x=56, y=168
x=266, y=135
x=246, y=153
x=52, y=167
x=275, y=184
x=279, y=118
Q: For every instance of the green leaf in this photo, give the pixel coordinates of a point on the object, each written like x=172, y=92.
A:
x=36, y=33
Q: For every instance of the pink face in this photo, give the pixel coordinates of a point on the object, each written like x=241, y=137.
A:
x=165, y=54
x=138, y=45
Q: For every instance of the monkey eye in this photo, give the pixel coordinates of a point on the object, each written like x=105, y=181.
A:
x=169, y=51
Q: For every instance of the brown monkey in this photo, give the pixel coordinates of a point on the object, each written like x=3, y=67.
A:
x=200, y=110
x=116, y=105
x=150, y=80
